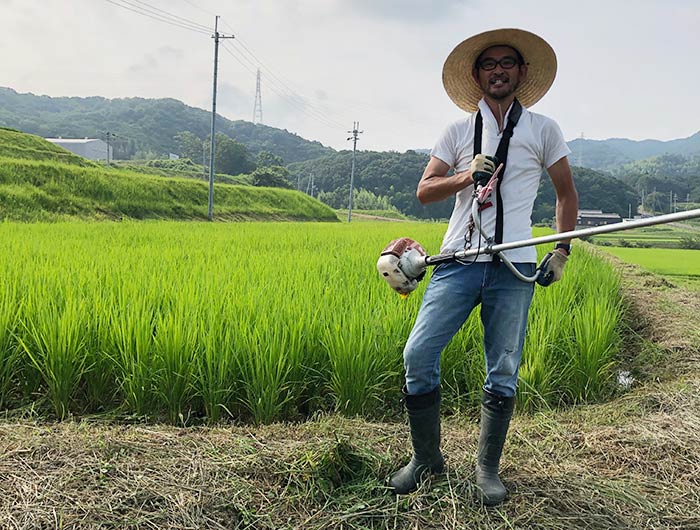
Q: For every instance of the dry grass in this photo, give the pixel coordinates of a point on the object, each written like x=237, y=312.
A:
x=631, y=463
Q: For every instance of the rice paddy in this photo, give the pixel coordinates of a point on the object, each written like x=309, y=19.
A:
x=259, y=322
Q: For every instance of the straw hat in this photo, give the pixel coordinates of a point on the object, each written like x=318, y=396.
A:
x=538, y=55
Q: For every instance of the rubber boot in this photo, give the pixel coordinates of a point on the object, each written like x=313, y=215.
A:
x=424, y=420
x=496, y=412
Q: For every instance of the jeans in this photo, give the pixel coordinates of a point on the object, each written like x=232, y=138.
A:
x=454, y=291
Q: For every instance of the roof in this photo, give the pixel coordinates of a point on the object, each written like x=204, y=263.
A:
x=73, y=140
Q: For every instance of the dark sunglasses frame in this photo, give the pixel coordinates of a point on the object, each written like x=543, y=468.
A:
x=503, y=63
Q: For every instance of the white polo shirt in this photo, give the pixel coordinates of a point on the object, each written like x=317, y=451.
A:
x=537, y=143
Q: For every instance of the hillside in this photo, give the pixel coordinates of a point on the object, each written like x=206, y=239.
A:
x=393, y=176
x=15, y=144
x=612, y=153
x=144, y=127
x=42, y=182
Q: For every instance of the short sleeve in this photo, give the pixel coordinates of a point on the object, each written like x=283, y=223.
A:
x=555, y=147
x=446, y=146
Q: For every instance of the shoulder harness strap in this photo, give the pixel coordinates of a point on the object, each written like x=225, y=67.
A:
x=502, y=155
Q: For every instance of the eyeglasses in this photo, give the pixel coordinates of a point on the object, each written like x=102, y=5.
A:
x=506, y=63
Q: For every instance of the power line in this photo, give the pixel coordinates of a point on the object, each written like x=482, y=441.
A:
x=141, y=11
x=294, y=100
x=200, y=8
x=168, y=14
x=281, y=83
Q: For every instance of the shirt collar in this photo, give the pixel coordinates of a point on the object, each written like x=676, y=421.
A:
x=488, y=116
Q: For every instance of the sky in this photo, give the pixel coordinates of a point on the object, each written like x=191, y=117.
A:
x=626, y=69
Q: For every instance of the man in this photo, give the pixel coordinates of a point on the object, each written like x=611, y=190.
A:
x=497, y=74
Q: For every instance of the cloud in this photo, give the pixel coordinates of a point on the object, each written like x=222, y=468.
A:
x=406, y=10
x=171, y=53
x=148, y=65
x=234, y=103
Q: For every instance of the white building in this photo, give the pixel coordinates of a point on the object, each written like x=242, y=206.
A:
x=90, y=148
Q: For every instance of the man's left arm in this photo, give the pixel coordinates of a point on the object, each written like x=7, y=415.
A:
x=567, y=197
x=552, y=265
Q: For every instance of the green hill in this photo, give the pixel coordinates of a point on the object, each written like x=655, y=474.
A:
x=43, y=182
x=394, y=176
x=611, y=154
x=143, y=127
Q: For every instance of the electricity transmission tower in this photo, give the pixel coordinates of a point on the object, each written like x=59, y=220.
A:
x=257, y=109
x=355, y=132
x=212, y=143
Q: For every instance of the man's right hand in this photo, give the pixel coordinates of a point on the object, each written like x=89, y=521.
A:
x=482, y=168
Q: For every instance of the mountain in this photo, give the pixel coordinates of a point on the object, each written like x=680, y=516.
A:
x=394, y=176
x=612, y=153
x=143, y=127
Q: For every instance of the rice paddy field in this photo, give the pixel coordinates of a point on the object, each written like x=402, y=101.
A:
x=682, y=265
x=667, y=250
x=247, y=376
x=259, y=322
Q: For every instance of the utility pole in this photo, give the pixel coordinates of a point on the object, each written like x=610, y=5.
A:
x=212, y=143
x=355, y=132
x=257, y=109
x=108, y=136
x=204, y=161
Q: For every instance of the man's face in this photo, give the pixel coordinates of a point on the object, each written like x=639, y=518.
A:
x=499, y=83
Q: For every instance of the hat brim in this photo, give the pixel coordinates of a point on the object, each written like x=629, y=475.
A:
x=538, y=54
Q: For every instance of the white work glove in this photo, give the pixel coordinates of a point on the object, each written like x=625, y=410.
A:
x=482, y=168
x=551, y=268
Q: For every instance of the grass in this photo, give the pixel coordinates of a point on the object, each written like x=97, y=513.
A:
x=49, y=191
x=19, y=145
x=40, y=181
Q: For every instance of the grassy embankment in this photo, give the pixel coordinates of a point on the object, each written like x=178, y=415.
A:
x=39, y=181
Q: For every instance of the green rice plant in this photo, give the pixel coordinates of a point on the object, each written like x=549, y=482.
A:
x=131, y=320
x=264, y=373
x=269, y=321
x=596, y=345
x=100, y=367
x=596, y=330
x=10, y=353
x=359, y=371
x=55, y=345
x=175, y=348
x=214, y=367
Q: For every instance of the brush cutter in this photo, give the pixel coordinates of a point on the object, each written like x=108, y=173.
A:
x=403, y=262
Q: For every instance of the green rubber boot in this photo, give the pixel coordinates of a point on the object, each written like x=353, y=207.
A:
x=496, y=412
x=424, y=419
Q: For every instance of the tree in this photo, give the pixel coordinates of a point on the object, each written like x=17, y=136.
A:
x=232, y=157
x=272, y=176
x=190, y=145
x=267, y=159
